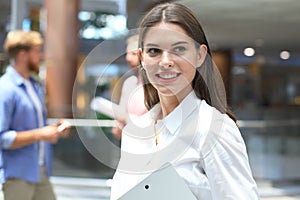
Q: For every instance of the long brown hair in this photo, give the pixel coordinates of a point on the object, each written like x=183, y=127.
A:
x=182, y=16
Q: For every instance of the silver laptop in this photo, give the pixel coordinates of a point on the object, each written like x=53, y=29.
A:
x=163, y=184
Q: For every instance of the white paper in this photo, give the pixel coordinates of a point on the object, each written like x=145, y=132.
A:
x=108, y=108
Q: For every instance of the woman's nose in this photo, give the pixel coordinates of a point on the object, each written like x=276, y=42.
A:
x=166, y=59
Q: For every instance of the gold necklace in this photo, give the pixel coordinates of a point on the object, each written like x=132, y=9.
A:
x=156, y=131
x=157, y=134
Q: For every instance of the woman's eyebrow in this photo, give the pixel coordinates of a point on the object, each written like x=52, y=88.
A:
x=176, y=43
x=180, y=42
x=151, y=45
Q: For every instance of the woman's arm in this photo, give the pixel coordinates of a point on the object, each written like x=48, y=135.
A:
x=227, y=166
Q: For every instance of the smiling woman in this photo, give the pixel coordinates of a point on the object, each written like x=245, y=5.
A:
x=188, y=123
x=170, y=63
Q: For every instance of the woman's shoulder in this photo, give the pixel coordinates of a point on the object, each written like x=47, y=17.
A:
x=138, y=126
x=215, y=116
x=130, y=80
x=220, y=129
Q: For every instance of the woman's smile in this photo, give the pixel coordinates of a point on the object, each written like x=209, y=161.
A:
x=170, y=62
x=167, y=76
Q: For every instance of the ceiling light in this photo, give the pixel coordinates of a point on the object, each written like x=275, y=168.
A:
x=249, y=51
x=285, y=55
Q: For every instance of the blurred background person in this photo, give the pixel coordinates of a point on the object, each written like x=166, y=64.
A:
x=132, y=93
x=25, y=137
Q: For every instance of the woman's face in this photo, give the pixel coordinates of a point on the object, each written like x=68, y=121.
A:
x=170, y=59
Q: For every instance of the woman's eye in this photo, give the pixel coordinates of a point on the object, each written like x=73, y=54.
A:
x=153, y=51
x=179, y=49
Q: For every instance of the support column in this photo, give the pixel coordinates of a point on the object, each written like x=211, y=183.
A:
x=17, y=14
x=61, y=55
x=223, y=60
x=136, y=9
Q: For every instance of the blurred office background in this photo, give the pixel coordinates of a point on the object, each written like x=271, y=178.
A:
x=256, y=45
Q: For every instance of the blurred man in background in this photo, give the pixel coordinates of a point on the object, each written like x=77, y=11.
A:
x=25, y=137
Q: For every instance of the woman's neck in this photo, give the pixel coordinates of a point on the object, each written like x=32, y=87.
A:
x=169, y=103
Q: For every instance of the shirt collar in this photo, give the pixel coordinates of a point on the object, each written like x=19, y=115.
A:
x=15, y=76
x=175, y=119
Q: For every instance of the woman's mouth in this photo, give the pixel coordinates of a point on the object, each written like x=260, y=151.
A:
x=167, y=76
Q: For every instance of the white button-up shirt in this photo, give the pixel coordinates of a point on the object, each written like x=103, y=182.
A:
x=205, y=147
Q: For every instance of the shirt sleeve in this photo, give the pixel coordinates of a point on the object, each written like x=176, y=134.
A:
x=6, y=136
x=226, y=164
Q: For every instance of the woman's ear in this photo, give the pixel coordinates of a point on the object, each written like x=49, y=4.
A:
x=202, y=52
x=140, y=55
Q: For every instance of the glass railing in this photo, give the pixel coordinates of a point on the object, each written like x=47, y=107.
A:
x=273, y=148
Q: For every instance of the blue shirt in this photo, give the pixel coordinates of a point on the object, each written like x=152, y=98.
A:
x=1, y=170
x=18, y=113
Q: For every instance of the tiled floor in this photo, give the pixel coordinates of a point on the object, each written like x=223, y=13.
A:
x=92, y=189
x=72, y=189
x=282, y=198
